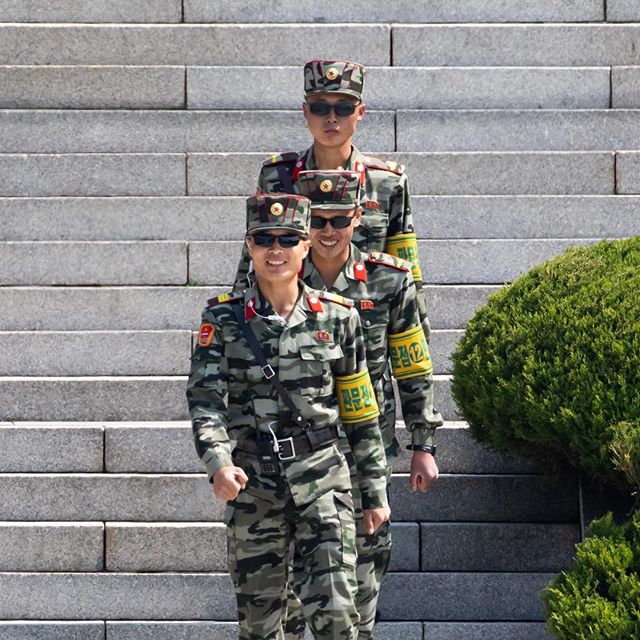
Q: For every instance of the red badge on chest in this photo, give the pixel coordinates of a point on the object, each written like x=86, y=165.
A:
x=366, y=304
x=323, y=335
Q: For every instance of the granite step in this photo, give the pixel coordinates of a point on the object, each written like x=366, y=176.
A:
x=95, y=11
x=518, y=130
x=416, y=11
x=187, y=498
x=442, y=261
x=138, y=353
x=90, y=87
x=188, y=597
x=224, y=174
x=465, y=173
x=175, y=308
x=416, y=87
x=223, y=217
x=191, y=44
x=130, y=448
x=518, y=45
x=122, y=398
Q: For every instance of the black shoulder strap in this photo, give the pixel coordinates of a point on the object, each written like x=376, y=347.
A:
x=267, y=369
x=285, y=177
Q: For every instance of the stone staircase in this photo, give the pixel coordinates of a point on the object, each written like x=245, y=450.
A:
x=130, y=134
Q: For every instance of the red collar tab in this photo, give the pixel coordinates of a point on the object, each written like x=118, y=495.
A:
x=314, y=304
x=249, y=309
x=360, y=272
x=299, y=166
x=359, y=167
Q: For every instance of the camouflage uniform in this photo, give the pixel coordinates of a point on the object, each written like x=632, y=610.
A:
x=385, y=295
x=319, y=357
x=387, y=222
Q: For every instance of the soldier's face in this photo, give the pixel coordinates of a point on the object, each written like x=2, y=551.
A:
x=332, y=130
x=277, y=263
x=329, y=243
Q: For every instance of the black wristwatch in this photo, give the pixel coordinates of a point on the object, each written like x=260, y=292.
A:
x=427, y=448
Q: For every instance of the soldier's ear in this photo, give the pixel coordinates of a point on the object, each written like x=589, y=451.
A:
x=362, y=108
x=357, y=217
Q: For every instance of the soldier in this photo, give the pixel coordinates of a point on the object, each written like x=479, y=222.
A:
x=332, y=108
x=384, y=293
x=274, y=369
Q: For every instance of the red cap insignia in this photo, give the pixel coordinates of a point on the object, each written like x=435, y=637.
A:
x=366, y=304
x=314, y=304
x=360, y=272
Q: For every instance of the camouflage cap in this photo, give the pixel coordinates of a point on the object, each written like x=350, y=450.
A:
x=330, y=189
x=275, y=211
x=333, y=76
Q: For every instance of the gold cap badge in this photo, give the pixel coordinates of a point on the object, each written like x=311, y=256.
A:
x=332, y=73
x=276, y=209
x=326, y=186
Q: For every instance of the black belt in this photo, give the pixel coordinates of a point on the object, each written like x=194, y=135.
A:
x=289, y=448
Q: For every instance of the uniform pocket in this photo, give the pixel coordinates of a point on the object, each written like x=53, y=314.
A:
x=344, y=507
x=232, y=562
x=315, y=368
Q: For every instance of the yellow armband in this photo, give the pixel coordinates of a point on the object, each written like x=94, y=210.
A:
x=409, y=354
x=356, y=398
x=405, y=246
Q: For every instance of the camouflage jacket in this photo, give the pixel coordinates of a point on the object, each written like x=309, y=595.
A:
x=384, y=294
x=387, y=223
x=319, y=347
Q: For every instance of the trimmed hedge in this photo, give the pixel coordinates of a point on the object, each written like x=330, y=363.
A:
x=599, y=597
x=549, y=368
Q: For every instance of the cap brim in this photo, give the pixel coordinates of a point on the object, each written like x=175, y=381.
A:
x=275, y=227
x=346, y=92
x=334, y=207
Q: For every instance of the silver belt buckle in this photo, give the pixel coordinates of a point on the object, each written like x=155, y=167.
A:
x=289, y=441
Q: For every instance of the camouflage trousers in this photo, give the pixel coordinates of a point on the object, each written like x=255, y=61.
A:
x=374, y=554
x=260, y=535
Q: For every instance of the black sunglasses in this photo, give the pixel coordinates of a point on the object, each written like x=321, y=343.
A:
x=339, y=222
x=267, y=240
x=341, y=109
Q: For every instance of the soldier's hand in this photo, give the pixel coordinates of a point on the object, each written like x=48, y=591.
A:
x=373, y=518
x=228, y=482
x=424, y=471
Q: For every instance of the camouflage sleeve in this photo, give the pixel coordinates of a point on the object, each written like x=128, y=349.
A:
x=400, y=216
x=403, y=243
x=359, y=415
x=206, y=390
x=411, y=364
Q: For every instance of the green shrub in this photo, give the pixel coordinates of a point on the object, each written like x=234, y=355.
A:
x=549, y=368
x=599, y=597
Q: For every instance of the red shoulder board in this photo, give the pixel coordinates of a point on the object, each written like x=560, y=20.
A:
x=225, y=297
x=314, y=304
x=287, y=156
x=388, y=165
x=378, y=257
x=335, y=297
x=360, y=271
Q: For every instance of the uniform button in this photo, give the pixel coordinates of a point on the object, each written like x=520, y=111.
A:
x=367, y=323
